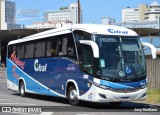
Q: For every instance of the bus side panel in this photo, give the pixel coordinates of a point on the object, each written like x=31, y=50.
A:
x=69, y=71
x=48, y=76
x=32, y=85
x=54, y=74
x=12, y=79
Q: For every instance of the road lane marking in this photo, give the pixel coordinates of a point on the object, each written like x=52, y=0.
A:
x=4, y=99
x=17, y=103
x=85, y=114
x=25, y=113
x=47, y=113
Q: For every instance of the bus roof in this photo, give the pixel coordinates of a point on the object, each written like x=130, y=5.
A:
x=90, y=28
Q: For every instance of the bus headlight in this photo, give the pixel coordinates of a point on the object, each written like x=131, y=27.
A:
x=99, y=85
x=143, y=86
x=104, y=87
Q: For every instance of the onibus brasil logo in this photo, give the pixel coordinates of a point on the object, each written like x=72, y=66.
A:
x=38, y=67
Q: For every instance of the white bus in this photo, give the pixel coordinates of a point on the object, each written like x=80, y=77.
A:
x=97, y=63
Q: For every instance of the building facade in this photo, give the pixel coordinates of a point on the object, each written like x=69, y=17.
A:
x=3, y=25
x=10, y=13
x=142, y=17
x=142, y=13
x=7, y=15
x=10, y=8
x=108, y=20
x=50, y=24
x=69, y=13
x=145, y=24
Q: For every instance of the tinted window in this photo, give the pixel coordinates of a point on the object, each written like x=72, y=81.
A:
x=9, y=51
x=51, y=48
x=40, y=49
x=29, y=50
x=66, y=46
x=86, y=58
x=20, y=51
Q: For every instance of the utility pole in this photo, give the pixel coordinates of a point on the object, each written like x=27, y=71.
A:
x=79, y=12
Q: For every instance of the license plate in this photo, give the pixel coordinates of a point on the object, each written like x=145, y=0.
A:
x=125, y=99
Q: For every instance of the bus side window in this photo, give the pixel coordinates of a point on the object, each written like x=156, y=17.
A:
x=71, y=51
x=40, y=49
x=9, y=51
x=13, y=52
x=20, y=51
x=52, y=47
x=29, y=50
x=86, y=58
x=62, y=46
x=66, y=47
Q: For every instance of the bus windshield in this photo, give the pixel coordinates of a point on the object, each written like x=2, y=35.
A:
x=120, y=58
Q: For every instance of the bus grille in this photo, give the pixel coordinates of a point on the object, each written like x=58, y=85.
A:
x=125, y=90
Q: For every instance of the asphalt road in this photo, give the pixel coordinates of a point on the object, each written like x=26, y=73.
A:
x=34, y=104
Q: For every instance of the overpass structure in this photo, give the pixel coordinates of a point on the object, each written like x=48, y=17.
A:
x=8, y=35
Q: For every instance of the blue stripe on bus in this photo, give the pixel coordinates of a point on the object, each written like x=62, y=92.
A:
x=122, y=85
x=57, y=73
x=31, y=84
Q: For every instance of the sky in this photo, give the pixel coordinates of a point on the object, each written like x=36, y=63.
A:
x=30, y=11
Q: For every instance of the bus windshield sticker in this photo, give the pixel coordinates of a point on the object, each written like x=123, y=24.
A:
x=102, y=63
x=128, y=70
x=108, y=39
x=85, y=76
x=121, y=74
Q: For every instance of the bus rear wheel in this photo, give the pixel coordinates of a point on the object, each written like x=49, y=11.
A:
x=73, y=96
x=22, y=89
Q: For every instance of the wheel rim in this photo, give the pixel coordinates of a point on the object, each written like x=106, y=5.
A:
x=73, y=94
x=22, y=89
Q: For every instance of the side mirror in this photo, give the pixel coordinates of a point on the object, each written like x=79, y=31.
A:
x=94, y=46
x=153, y=49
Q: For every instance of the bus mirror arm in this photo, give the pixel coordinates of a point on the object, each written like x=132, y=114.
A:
x=153, y=49
x=93, y=45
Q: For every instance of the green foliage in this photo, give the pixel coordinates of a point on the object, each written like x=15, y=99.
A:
x=153, y=97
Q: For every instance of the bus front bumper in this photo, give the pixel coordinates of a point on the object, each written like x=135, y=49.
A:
x=102, y=95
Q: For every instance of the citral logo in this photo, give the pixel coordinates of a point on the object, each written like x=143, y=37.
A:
x=38, y=67
x=142, y=83
x=117, y=31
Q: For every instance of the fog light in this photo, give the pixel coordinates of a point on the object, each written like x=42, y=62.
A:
x=103, y=96
x=144, y=95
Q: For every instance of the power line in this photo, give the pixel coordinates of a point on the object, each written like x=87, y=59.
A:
x=52, y=4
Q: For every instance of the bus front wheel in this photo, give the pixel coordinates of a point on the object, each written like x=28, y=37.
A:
x=22, y=89
x=73, y=96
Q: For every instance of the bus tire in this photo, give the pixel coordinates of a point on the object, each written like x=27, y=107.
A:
x=73, y=96
x=22, y=89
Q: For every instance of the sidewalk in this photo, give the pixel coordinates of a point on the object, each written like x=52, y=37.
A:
x=2, y=72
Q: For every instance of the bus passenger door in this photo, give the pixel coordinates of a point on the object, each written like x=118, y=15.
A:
x=87, y=67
